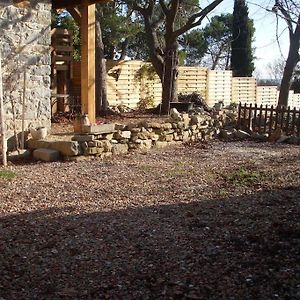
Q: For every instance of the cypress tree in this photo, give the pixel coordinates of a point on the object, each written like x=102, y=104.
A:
x=242, y=34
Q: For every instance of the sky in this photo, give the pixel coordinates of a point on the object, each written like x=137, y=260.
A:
x=267, y=48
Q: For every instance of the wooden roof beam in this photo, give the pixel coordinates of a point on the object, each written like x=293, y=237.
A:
x=76, y=14
x=56, y=4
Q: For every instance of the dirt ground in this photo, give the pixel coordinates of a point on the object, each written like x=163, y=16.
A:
x=216, y=221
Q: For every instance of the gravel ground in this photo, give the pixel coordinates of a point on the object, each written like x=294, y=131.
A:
x=216, y=221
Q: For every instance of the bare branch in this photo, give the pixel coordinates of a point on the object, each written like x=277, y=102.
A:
x=196, y=19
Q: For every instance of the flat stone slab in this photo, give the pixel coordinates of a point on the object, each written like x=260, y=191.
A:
x=46, y=155
x=66, y=148
x=99, y=129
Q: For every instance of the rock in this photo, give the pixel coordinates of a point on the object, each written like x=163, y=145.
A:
x=226, y=134
x=160, y=144
x=106, y=146
x=47, y=155
x=169, y=138
x=83, y=137
x=154, y=125
x=145, y=145
x=259, y=137
x=95, y=144
x=241, y=135
x=186, y=120
x=166, y=126
x=91, y=151
x=185, y=136
x=294, y=140
x=120, y=135
x=175, y=114
x=120, y=127
x=153, y=136
x=197, y=120
x=276, y=135
x=66, y=148
x=131, y=126
x=143, y=135
x=283, y=139
x=35, y=144
x=108, y=136
x=98, y=129
x=19, y=154
x=119, y=149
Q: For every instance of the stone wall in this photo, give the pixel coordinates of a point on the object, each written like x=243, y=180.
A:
x=115, y=139
x=25, y=44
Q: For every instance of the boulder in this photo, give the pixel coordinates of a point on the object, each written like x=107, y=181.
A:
x=120, y=135
x=276, y=135
x=66, y=148
x=283, y=139
x=241, y=135
x=35, y=144
x=197, y=120
x=227, y=134
x=294, y=140
x=160, y=144
x=118, y=149
x=175, y=114
x=47, y=155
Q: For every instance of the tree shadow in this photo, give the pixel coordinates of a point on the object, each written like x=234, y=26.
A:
x=232, y=248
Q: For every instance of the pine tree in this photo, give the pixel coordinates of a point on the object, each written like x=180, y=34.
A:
x=242, y=34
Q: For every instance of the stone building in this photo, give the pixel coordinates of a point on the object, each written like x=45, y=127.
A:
x=25, y=40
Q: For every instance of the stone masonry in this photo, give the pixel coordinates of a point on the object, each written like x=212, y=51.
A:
x=25, y=45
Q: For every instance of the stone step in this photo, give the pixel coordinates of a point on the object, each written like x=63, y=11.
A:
x=98, y=129
x=47, y=155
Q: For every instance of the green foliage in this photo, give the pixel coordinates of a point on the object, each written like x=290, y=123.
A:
x=244, y=177
x=146, y=76
x=195, y=46
x=242, y=63
x=147, y=72
x=210, y=45
x=8, y=175
x=120, y=29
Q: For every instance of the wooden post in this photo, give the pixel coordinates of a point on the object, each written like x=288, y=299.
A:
x=87, y=28
x=2, y=133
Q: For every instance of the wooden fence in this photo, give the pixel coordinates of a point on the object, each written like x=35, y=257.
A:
x=266, y=119
x=125, y=88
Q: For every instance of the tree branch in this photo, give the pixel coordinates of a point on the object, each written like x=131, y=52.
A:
x=191, y=23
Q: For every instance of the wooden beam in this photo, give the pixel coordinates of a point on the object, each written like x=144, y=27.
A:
x=76, y=14
x=67, y=3
x=87, y=29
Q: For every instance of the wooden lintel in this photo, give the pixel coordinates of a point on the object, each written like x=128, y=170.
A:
x=87, y=29
x=76, y=14
x=56, y=4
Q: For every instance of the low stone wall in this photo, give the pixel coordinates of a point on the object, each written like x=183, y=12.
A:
x=115, y=139
x=25, y=45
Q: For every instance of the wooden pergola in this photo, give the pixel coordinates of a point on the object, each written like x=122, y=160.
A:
x=83, y=11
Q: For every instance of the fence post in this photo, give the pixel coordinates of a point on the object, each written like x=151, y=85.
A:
x=3, y=135
x=271, y=119
x=239, y=115
x=254, y=117
x=287, y=124
x=260, y=118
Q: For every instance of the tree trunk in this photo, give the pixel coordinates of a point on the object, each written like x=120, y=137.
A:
x=169, y=78
x=291, y=62
x=101, y=87
x=124, y=49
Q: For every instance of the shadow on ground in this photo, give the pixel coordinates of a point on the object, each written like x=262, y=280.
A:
x=236, y=248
